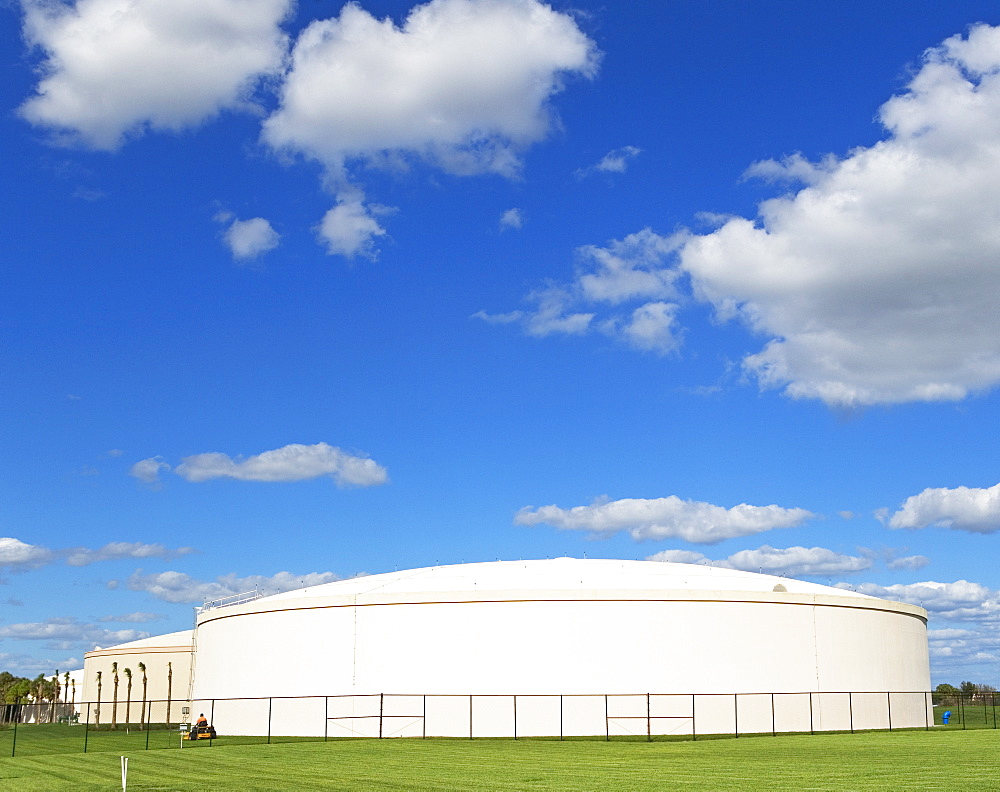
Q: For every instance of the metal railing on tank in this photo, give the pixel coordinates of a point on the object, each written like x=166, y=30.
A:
x=232, y=599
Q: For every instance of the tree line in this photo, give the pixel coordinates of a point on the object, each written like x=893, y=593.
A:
x=18, y=693
x=969, y=691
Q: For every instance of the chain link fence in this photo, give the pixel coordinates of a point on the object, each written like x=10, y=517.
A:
x=34, y=729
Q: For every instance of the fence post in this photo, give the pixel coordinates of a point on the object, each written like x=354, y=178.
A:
x=774, y=732
x=17, y=717
x=649, y=729
x=381, y=709
x=812, y=725
x=147, y=729
x=850, y=709
x=86, y=728
x=211, y=716
x=515, y=717
x=269, y=701
x=607, y=726
x=326, y=716
x=424, y=735
x=927, y=722
x=470, y=717
x=962, y=710
x=694, y=731
x=736, y=713
x=888, y=707
x=560, y=716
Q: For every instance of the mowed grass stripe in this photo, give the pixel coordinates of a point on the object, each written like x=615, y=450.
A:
x=869, y=762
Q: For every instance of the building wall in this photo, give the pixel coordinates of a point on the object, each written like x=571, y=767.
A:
x=156, y=653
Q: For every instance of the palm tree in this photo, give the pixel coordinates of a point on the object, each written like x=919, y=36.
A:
x=55, y=697
x=170, y=680
x=66, y=693
x=114, y=705
x=142, y=713
x=128, y=696
x=97, y=712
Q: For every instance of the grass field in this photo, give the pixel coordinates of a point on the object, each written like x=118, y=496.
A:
x=883, y=761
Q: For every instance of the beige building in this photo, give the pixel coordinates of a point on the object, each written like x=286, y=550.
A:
x=167, y=659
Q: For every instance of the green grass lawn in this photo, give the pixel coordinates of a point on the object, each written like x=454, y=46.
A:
x=884, y=761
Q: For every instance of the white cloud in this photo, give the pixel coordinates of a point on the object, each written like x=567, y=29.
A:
x=68, y=633
x=666, y=518
x=652, y=327
x=790, y=561
x=873, y=283
x=113, y=67
x=138, y=617
x=876, y=282
x=31, y=666
x=148, y=470
x=181, y=587
x=294, y=462
x=629, y=277
x=82, y=556
x=350, y=228
x=15, y=554
x=615, y=161
x=962, y=508
x=512, y=218
x=463, y=84
x=908, y=562
x=958, y=601
x=248, y=239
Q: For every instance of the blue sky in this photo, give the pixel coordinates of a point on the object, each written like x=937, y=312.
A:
x=292, y=293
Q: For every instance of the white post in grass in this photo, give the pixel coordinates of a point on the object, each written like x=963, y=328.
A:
x=124, y=773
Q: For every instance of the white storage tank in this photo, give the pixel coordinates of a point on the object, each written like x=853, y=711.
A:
x=716, y=650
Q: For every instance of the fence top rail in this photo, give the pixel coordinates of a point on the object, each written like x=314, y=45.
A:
x=185, y=701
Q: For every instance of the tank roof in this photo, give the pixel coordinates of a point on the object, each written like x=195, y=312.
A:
x=562, y=574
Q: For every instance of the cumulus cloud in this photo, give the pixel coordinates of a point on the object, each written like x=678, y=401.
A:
x=872, y=281
x=294, y=462
x=350, y=228
x=31, y=666
x=82, y=556
x=615, y=161
x=630, y=279
x=908, y=562
x=148, y=470
x=790, y=561
x=248, y=239
x=137, y=617
x=512, y=218
x=113, y=67
x=875, y=282
x=963, y=508
x=652, y=327
x=15, y=554
x=666, y=518
x=68, y=634
x=463, y=84
x=181, y=587
x=957, y=601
